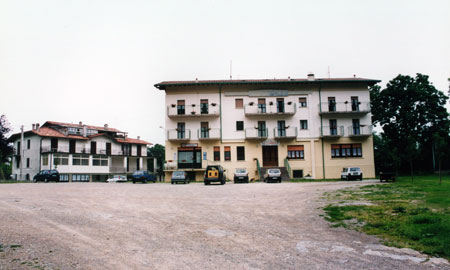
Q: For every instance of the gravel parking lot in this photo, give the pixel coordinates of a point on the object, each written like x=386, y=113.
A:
x=163, y=226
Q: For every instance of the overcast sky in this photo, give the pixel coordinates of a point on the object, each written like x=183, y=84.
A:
x=96, y=61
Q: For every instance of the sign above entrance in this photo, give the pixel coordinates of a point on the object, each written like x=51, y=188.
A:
x=269, y=142
x=189, y=144
x=268, y=93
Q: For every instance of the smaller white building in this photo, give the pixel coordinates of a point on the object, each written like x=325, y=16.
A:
x=81, y=153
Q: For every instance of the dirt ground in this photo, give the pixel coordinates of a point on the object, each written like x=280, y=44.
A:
x=163, y=226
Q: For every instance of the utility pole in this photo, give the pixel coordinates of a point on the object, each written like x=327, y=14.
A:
x=21, y=152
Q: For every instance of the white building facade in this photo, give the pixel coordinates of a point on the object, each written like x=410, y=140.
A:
x=307, y=127
x=81, y=153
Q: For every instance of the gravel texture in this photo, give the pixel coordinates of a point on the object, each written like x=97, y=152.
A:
x=163, y=226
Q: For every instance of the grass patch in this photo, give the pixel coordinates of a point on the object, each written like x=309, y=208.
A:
x=404, y=214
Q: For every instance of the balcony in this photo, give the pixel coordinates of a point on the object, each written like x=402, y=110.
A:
x=176, y=135
x=288, y=133
x=194, y=110
x=331, y=132
x=210, y=134
x=361, y=131
x=59, y=149
x=255, y=133
x=286, y=110
x=337, y=108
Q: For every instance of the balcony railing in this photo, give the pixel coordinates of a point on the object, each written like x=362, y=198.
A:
x=255, y=133
x=196, y=110
x=361, y=131
x=344, y=107
x=331, y=132
x=178, y=135
x=290, y=132
x=286, y=110
x=209, y=134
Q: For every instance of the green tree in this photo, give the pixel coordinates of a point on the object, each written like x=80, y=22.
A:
x=440, y=146
x=157, y=151
x=6, y=149
x=410, y=110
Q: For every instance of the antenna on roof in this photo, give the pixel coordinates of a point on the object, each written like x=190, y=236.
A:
x=231, y=69
x=329, y=73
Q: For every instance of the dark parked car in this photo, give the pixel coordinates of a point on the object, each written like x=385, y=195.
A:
x=47, y=175
x=142, y=176
x=179, y=176
x=214, y=173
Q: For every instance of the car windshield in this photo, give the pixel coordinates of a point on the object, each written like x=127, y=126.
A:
x=178, y=173
x=119, y=176
x=345, y=170
x=274, y=171
x=354, y=169
x=138, y=172
x=241, y=170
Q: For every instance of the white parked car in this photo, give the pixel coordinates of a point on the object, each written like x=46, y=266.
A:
x=272, y=175
x=241, y=175
x=349, y=173
x=117, y=178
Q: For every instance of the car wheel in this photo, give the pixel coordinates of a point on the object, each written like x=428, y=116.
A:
x=171, y=182
x=154, y=181
x=134, y=182
x=34, y=180
x=360, y=178
x=46, y=180
x=279, y=181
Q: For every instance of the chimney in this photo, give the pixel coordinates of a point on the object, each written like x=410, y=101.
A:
x=106, y=126
x=310, y=76
x=84, y=131
x=33, y=126
x=289, y=78
x=81, y=123
x=38, y=126
x=139, y=137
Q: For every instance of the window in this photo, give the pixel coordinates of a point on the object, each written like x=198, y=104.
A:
x=28, y=144
x=189, y=157
x=80, y=177
x=216, y=153
x=17, y=162
x=60, y=160
x=18, y=149
x=296, y=152
x=356, y=127
x=180, y=131
x=281, y=128
x=180, y=107
x=355, y=104
x=303, y=124
x=64, y=178
x=280, y=105
x=297, y=173
x=262, y=131
x=302, y=102
x=100, y=161
x=82, y=160
x=333, y=127
x=240, y=151
x=331, y=104
x=261, y=105
x=239, y=102
x=28, y=162
x=239, y=125
x=92, y=131
x=204, y=106
x=204, y=130
x=346, y=150
x=227, y=153
x=44, y=160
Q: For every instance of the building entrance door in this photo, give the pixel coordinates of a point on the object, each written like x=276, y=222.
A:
x=270, y=156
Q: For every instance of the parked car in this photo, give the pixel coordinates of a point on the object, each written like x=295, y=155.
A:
x=272, y=175
x=142, y=176
x=214, y=173
x=117, y=178
x=46, y=176
x=241, y=175
x=179, y=176
x=350, y=173
x=387, y=176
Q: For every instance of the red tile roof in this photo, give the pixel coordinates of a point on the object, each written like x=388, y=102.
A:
x=163, y=85
x=77, y=125
x=130, y=140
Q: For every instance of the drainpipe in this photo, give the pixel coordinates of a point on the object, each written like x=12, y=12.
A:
x=321, y=131
x=220, y=111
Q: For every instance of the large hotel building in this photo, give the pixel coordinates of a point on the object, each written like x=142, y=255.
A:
x=310, y=128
